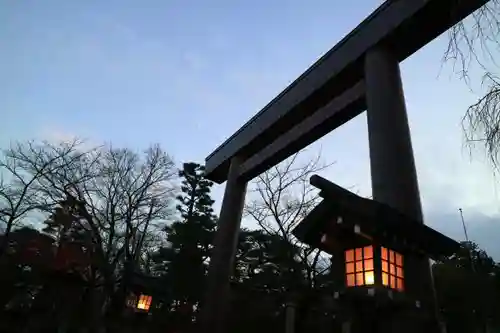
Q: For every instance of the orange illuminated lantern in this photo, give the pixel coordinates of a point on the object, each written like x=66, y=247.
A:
x=139, y=303
x=370, y=242
x=144, y=302
x=360, y=267
x=392, y=269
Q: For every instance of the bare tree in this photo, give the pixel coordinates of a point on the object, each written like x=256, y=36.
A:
x=282, y=197
x=121, y=200
x=117, y=199
x=18, y=179
x=476, y=42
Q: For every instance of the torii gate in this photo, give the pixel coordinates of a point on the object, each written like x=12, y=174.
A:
x=360, y=73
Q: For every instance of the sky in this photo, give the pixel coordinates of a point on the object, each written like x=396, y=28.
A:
x=187, y=74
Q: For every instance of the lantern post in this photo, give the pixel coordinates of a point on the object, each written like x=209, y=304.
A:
x=372, y=247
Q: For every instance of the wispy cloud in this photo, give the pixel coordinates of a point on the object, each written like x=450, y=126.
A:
x=57, y=136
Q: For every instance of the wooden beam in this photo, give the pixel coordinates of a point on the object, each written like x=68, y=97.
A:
x=403, y=25
x=337, y=112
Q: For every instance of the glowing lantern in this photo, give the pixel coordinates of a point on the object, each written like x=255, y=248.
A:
x=144, y=302
x=392, y=269
x=371, y=243
x=360, y=268
x=141, y=303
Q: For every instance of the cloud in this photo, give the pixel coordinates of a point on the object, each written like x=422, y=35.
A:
x=57, y=136
x=450, y=179
x=482, y=229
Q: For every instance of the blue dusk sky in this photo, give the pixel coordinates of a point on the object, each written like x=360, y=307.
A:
x=187, y=74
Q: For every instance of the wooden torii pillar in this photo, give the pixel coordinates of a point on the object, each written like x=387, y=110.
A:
x=214, y=316
x=393, y=172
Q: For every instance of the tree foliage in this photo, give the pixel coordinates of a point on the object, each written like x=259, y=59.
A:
x=282, y=198
x=183, y=261
x=22, y=168
x=111, y=223
x=468, y=291
x=113, y=200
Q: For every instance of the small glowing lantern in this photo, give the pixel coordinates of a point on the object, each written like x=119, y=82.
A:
x=392, y=269
x=371, y=243
x=360, y=267
x=141, y=303
x=144, y=302
x=144, y=289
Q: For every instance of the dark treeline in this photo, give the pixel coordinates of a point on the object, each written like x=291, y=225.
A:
x=85, y=231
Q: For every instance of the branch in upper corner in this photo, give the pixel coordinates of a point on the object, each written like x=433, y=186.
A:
x=476, y=41
x=282, y=196
x=481, y=123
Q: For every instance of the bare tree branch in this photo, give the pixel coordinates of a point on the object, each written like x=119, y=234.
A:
x=282, y=197
x=481, y=123
x=19, y=179
x=476, y=42
x=121, y=199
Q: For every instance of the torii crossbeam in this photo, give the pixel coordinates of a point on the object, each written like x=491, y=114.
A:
x=360, y=73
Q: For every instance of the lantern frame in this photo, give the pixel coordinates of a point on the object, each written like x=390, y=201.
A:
x=373, y=265
x=343, y=221
x=140, y=302
x=145, y=285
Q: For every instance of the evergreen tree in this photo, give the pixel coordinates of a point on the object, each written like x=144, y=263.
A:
x=197, y=224
x=64, y=223
x=189, y=242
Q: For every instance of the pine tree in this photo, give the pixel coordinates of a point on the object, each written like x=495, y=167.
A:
x=64, y=223
x=73, y=239
x=195, y=230
x=189, y=241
